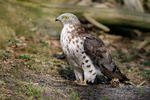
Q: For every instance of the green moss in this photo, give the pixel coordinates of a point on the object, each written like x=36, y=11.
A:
x=104, y=98
x=141, y=92
x=4, y=56
x=56, y=62
x=35, y=67
x=115, y=55
x=145, y=73
x=146, y=63
x=29, y=91
x=15, y=65
x=43, y=43
x=74, y=96
x=58, y=91
x=25, y=57
x=13, y=40
x=90, y=93
x=127, y=58
x=32, y=91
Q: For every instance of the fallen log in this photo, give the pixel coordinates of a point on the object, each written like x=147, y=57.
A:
x=110, y=17
x=97, y=24
x=134, y=5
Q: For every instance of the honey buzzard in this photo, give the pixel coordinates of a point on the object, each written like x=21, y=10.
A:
x=86, y=53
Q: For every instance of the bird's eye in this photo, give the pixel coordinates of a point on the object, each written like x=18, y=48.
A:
x=66, y=17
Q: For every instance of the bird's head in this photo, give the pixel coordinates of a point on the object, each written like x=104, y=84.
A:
x=68, y=18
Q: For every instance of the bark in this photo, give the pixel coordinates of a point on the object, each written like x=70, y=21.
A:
x=134, y=5
x=110, y=17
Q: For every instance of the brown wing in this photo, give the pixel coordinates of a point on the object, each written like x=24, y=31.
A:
x=96, y=50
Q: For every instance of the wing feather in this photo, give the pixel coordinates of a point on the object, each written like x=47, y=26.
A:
x=96, y=50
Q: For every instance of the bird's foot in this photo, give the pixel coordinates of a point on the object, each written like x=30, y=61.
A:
x=83, y=83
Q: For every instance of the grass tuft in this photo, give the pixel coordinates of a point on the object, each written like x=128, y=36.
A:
x=24, y=57
x=141, y=92
x=58, y=91
x=3, y=56
x=74, y=96
x=128, y=59
x=104, y=98
x=33, y=91
x=145, y=73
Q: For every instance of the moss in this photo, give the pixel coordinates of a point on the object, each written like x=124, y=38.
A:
x=115, y=55
x=128, y=58
x=146, y=63
x=25, y=57
x=15, y=65
x=58, y=91
x=104, y=98
x=74, y=96
x=145, y=73
x=43, y=43
x=32, y=91
x=141, y=92
x=4, y=56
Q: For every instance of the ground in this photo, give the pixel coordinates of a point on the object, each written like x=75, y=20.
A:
x=29, y=71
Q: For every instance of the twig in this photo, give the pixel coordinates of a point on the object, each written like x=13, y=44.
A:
x=129, y=82
x=141, y=84
x=60, y=80
x=143, y=44
x=94, y=22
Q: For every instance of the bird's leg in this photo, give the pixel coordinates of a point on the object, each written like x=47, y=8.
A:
x=79, y=77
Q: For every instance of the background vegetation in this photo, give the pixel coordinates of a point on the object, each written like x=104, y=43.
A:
x=29, y=39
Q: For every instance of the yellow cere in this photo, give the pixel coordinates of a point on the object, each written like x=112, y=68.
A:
x=66, y=17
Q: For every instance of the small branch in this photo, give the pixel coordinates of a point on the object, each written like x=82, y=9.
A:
x=143, y=44
x=141, y=84
x=129, y=82
x=96, y=23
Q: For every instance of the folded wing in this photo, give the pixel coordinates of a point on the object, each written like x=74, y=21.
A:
x=96, y=50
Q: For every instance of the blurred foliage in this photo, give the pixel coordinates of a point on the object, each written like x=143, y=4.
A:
x=22, y=20
x=29, y=38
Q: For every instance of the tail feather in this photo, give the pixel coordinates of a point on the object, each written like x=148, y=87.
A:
x=115, y=73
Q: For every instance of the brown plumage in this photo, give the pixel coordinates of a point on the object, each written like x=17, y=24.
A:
x=86, y=53
x=96, y=50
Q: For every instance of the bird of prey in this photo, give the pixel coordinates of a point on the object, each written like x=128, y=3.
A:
x=86, y=53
